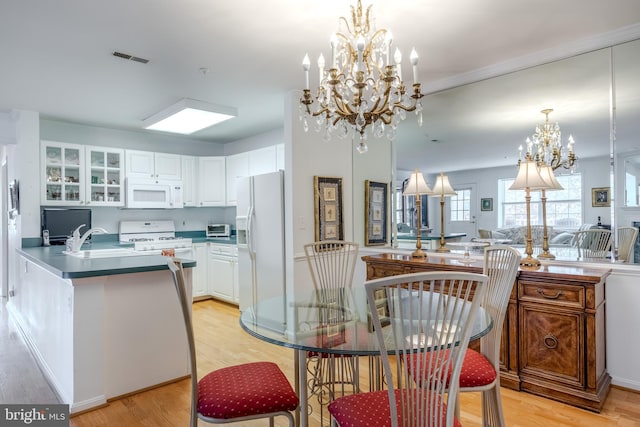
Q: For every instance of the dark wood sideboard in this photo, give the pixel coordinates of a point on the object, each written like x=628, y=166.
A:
x=553, y=338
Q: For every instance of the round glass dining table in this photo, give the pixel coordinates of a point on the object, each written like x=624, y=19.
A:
x=336, y=324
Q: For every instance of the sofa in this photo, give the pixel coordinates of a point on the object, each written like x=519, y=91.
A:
x=517, y=235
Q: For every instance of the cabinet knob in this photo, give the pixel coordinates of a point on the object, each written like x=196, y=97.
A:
x=550, y=341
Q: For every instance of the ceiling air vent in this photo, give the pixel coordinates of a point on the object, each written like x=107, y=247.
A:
x=129, y=57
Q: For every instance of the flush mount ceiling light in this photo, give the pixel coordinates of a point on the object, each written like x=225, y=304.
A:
x=188, y=116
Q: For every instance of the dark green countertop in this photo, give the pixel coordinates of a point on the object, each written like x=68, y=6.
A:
x=52, y=259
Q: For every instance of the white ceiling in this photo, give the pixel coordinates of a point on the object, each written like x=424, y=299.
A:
x=57, y=55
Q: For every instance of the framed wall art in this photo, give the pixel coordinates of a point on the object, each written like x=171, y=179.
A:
x=486, y=204
x=601, y=197
x=329, y=223
x=375, y=213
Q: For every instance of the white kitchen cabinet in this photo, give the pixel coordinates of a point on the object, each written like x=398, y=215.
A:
x=237, y=167
x=211, y=181
x=262, y=160
x=200, y=271
x=189, y=166
x=105, y=176
x=147, y=164
x=63, y=174
x=236, y=282
x=223, y=267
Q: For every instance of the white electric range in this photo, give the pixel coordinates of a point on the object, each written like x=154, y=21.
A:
x=151, y=237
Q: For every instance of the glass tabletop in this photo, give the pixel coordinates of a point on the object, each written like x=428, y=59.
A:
x=311, y=325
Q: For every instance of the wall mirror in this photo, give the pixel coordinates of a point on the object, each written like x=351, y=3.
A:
x=626, y=69
x=479, y=126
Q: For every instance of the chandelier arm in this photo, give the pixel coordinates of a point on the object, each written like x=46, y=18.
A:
x=346, y=23
x=367, y=52
x=407, y=108
x=342, y=107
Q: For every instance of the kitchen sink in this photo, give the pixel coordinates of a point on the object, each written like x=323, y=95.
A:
x=102, y=253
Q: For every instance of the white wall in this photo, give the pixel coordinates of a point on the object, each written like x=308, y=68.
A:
x=266, y=139
x=92, y=135
x=308, y=155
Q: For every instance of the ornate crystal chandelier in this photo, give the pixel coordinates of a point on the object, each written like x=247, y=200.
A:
x=362, y=86
x=545, y=146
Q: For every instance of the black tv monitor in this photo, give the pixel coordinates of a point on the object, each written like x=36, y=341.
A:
x=62, y=222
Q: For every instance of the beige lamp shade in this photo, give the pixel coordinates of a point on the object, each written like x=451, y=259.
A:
x=546, y=172
x=442, y=187
x=416, y=185
x=529, y=177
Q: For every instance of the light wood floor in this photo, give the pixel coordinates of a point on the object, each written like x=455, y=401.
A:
x=221, y=342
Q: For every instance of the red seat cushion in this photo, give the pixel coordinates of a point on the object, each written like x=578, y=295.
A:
x=476, y=370
x=244, y=390
x=369, y=409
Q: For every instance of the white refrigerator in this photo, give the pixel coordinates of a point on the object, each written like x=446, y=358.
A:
x=261, y=249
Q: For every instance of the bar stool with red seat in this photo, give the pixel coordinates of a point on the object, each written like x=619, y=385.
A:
x=481, y=370
x=428, y=320
x=236, y=393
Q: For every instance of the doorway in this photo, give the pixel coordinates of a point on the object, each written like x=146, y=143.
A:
x=461, y=211
x=4, y=228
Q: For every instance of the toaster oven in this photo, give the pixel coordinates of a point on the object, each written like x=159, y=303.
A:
x=218, y=230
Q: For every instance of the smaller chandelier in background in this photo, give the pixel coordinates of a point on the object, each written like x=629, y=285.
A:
x=362, y=86
x=545, y=146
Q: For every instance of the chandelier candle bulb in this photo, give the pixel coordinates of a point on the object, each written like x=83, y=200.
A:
x=321, y=68
x=414, y=62
x=570, y=144
x=334, y=45
x=306, y=63
x=397, y=56
x=360, y=45
x=388, y=39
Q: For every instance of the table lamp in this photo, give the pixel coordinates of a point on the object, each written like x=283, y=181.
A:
x=528, y=178
x=546, y=172
x=416, y=187
x=443, y=189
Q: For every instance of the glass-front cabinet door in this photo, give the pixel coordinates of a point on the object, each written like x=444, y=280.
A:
x=105, y=176
x=63, y=166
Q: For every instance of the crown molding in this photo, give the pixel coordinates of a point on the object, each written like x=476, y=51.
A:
x=588, y=44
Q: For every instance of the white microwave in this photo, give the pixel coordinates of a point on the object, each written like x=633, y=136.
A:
x=218, y=230
x=154, y=194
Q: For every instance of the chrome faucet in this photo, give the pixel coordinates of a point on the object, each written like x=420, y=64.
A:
x=77, y=241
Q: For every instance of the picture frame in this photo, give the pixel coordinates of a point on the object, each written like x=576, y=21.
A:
x=376, y=196
x=328, y=219
x=601, y=197
x=486, y=204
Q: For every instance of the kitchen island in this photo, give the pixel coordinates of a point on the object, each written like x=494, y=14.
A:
x=100, y=328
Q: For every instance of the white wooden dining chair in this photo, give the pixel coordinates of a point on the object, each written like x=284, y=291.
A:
x=332, y=265
x=593, y=243
x=426, y=324
x=235, y=393
x=627, y=237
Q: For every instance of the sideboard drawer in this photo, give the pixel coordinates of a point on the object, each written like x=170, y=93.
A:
x=378, y=271
x=549, y=293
